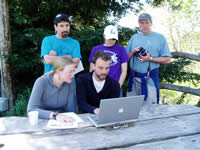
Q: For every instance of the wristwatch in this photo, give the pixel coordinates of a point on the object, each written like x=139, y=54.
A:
x=151, y=58
x=54, y=115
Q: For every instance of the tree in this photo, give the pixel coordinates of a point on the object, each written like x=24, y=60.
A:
x=180, y=24
x=83, y=13
x=32, y=20
x=5, y=47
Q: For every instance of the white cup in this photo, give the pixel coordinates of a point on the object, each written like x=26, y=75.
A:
x=33, y=117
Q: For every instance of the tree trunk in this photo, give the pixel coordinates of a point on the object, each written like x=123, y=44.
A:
x=181, y=89
x=5, y=48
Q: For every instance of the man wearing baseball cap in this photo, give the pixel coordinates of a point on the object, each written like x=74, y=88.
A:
x=144, y=78
x=59, y=44
x=119, y=57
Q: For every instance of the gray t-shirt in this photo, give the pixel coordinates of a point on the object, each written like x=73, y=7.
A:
x=46, y=97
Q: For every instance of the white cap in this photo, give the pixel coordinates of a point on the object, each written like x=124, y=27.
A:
x=111, y=32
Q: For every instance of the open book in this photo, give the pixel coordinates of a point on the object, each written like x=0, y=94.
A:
x=59, y=125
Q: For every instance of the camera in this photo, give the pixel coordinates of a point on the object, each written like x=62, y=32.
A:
x=141, y=52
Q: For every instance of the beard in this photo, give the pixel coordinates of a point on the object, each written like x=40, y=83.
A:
x=65, y=34
x=101, y=77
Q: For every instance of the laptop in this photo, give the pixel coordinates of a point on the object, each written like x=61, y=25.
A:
x=117, y=111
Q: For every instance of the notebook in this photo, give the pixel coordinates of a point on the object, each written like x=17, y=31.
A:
x=117, y=111
x=55, y=124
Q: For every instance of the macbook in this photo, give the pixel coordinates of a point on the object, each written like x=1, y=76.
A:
x=117, y=111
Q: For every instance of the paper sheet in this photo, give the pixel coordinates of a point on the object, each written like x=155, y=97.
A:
x=79, y=67
x=54, y=124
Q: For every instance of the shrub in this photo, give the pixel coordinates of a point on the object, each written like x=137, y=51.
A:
x=22, y=102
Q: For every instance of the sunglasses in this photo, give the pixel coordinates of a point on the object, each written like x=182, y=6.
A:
x=61, y=15
x=112, y=39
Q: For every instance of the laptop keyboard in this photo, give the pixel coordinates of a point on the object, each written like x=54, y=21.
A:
x=94, y=117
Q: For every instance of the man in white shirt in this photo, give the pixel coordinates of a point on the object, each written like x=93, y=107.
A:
x=97, y=85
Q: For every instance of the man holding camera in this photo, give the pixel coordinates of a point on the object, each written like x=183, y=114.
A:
x=146, y=50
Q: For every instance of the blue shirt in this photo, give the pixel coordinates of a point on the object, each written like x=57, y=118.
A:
x=157, y=46
x=68, y=46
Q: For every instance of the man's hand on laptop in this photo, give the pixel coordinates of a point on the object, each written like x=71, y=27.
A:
x=96, y=111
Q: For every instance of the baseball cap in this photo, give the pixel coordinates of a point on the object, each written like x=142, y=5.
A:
x=110, y=32
x=145, y=16
x=61, y=17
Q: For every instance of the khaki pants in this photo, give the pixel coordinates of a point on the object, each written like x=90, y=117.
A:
x=136, y=90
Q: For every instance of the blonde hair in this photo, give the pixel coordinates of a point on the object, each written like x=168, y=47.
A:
x=60, y=63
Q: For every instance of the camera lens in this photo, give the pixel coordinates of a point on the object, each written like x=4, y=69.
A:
x=142, y=52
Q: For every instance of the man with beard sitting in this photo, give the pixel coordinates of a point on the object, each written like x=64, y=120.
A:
x=96, y=85
x=59, y=44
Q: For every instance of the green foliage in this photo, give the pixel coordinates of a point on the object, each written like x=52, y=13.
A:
x=25, y=57
x=180, y=100
x=174, y=4
x=125, y=35
x=22, y=102
x=20, y=107
x=31, y=21
x=178, y=71
x=180, y=24
x=84, y=13
x=174, y=97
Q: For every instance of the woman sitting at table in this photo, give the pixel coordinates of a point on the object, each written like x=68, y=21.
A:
x=54, y=92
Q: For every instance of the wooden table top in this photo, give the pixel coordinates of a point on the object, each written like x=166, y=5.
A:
x=169, y=127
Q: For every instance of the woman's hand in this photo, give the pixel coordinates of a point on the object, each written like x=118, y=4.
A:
x=64, y=118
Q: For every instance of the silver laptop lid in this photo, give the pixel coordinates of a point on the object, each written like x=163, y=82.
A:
x=120, y=110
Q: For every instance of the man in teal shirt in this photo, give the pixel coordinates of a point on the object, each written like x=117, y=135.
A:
x=59, y=44
x=144, y=77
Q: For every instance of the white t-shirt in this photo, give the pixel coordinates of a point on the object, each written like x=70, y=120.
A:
x=98, y=84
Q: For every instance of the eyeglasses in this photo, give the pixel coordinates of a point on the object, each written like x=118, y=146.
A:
x=112, y=39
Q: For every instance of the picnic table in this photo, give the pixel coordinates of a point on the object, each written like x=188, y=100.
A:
x=168, y=127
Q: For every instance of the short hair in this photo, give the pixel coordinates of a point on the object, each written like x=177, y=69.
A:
x=101, y=54
x=61, y=17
